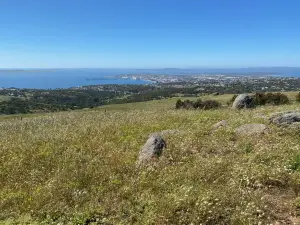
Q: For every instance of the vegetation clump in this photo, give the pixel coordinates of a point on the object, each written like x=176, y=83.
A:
x=295, y=164
x=198, y=104
x=298, y=97
x=270, y=98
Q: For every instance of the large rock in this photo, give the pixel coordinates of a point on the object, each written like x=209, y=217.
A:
x=287, y=119
x=243, y=101
x=152, y=149
x=252, y=129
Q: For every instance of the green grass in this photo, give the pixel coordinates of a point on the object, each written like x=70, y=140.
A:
x=4, y=98
x=78, y=167
x=162, y=104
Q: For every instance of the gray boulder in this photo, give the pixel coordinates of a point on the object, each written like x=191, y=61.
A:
x=152, y=149
x=243, y=101
x=286, y=119
x=252, y=129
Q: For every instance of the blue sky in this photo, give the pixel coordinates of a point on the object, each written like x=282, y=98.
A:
x=149, y=33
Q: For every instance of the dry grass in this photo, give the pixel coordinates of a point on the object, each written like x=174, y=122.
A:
x=79, y=168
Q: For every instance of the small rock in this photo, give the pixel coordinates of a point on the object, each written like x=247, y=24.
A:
x=252, y=129
x=287, y=119
x=222, y=123
x=152, y=149
x=243, y=101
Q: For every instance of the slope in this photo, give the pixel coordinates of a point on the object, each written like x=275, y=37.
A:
x=79, y=168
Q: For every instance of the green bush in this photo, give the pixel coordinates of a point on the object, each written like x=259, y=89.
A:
x=210, y=104
x=179, y=104
x=283, y=99
x=187, y=104
x=259, y=98
x=298, y=97
x=270, y=98
x=199, y=104
x=295, y=163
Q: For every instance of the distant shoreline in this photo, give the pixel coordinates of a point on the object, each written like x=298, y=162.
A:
x=39, y=78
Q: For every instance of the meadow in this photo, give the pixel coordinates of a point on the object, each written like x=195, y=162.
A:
x=79, y=167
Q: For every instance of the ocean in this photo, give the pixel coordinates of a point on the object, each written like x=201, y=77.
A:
x=63, y=78
x=66, y=78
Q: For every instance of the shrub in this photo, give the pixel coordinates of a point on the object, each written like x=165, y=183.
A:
x=270, y=98
x=259, y=98
x=179, y=104
x=298, y=97
x=199, y=104
x=210, y=104
x=295, y=163
x=187, y=104
x=276, y=99
x=283, y=99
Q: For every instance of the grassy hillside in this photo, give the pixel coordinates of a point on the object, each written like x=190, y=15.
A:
x=162, y=104
x=4, y=98
x=79, y=168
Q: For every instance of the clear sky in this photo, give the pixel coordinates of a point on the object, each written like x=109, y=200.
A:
x=149, y=33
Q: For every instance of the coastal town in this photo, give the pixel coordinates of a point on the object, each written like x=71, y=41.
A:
x=196, y=78
x=260, y=81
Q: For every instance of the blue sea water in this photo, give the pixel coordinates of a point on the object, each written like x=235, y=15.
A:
x=65, y=78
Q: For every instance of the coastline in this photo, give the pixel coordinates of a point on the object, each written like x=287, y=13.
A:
x=63, y=79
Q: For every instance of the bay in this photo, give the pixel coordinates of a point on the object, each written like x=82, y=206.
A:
x=66, y=78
